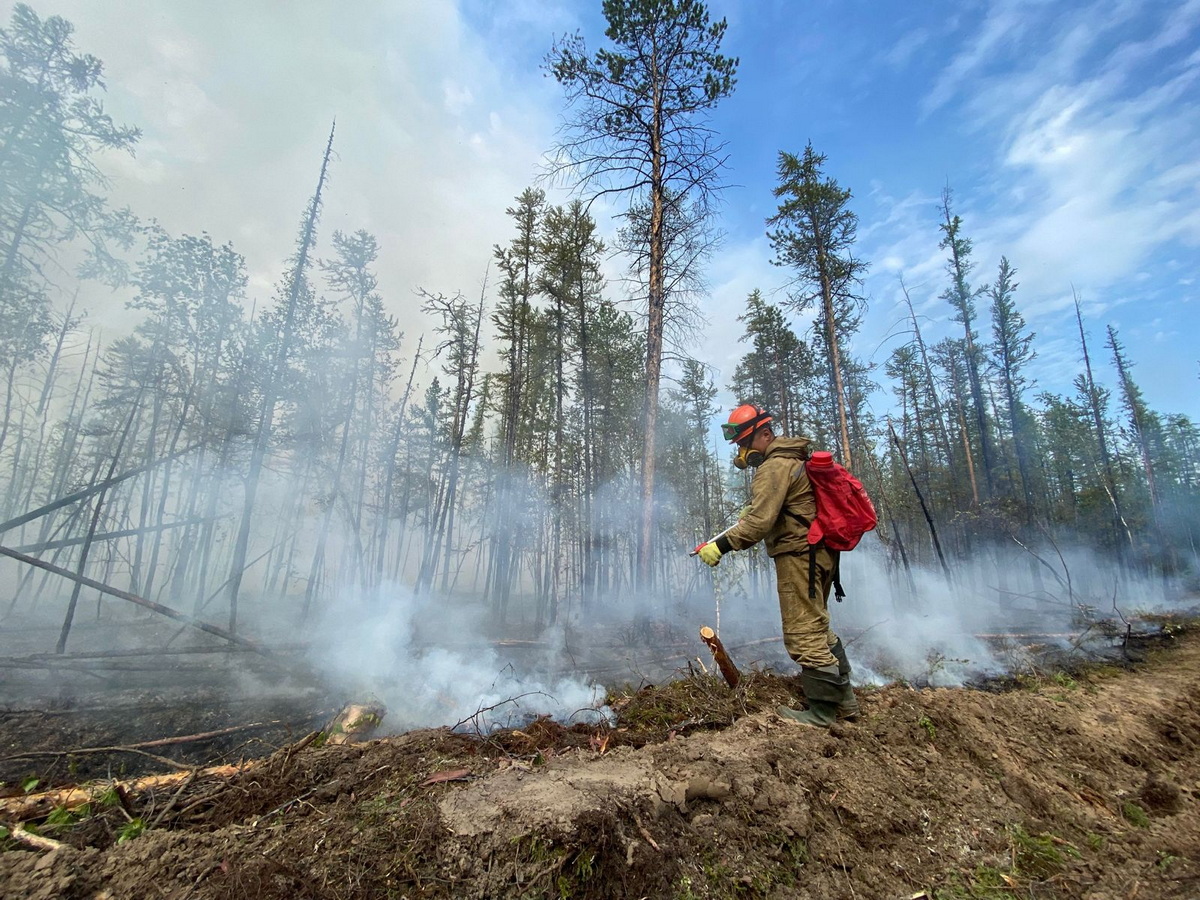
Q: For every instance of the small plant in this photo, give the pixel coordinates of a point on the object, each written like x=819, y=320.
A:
x=585, y=865
x=937, y=662
x=130, y=830
x=29, y=785
x=793, y=849
x=1039, y=855
x=1062, y=679
x=109, y=798
x=1135, y=815
x=584, y=868
x=1165, y=860
x=61, y=817
x=1094, y=841
x=927, y=723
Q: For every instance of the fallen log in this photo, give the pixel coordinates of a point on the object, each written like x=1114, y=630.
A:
x=93, y=489
x=37, y=841
x=724, y=663
x=32, y=806
x=108, y=535
x=83, y=751
x=140, y=601
x=157, y=742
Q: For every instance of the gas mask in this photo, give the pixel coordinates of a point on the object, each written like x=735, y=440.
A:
x=748, y=458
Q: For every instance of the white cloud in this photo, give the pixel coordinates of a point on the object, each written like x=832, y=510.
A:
x=903, y=50
x=1004, y=23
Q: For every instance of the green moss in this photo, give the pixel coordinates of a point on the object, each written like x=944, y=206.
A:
x=927, y=723
x=1039, y=855
x=1135, y=815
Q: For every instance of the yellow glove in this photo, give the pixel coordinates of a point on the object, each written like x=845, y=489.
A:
x=710, y=553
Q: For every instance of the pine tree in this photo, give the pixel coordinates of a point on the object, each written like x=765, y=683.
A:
x=1012, y=350
x=295, y=289
x=778, y=373
x=961, y=296
x=640, y=128
x=814, y=235
x=1143, y=422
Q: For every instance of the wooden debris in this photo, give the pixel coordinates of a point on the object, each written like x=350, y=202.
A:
x=724, y=663
x=158, y=742
x=449, y=775
x=356, y=722
x=31, y=806
x=37, y=841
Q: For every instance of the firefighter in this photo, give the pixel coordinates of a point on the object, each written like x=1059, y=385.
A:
x=781, y=507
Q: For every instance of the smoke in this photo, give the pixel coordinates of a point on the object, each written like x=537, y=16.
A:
x=427, y=661
x=1000, y=612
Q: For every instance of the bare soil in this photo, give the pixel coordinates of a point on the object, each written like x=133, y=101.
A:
x=1072, y=785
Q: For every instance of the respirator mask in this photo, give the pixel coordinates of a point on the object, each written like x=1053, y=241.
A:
x=748, y=459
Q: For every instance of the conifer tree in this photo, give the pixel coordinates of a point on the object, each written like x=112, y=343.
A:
x=296, y=287
x=640, y=129
x=961, y=296
x=1143, y=423
x=777, y=373
x=814, y=235
x=1012, y=350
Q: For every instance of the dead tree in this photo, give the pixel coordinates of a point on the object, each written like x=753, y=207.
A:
x=270, y=397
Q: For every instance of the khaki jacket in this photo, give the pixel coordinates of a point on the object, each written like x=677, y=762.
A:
x=780, y=486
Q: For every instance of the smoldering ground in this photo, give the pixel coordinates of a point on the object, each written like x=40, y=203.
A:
x=991, y=614
x=435, y=657
x=430, y=664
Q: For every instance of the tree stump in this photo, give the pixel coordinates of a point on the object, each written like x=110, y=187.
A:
x=724, y=663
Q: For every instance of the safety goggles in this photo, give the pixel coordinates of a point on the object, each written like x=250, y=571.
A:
x=732, y=430
x=746, y=429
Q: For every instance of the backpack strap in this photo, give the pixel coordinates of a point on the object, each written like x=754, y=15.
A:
x=838, y=592
x=799, y=518
x=812, y=571
x=812, y=555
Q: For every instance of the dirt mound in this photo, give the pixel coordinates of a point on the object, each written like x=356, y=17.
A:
x=1071, y=786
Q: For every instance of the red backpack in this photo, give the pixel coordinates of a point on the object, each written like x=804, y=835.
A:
x=844, y=511
x=844, y=514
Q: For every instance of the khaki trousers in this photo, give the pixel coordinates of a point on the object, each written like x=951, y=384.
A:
x=806, y=632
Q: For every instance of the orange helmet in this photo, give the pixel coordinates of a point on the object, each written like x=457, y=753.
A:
x=744, y=421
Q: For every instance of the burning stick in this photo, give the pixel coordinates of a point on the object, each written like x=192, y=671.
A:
x=724, y=663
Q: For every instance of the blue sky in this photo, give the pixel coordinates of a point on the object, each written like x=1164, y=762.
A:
x=1067, y=130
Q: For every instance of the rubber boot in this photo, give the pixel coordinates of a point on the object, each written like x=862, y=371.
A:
x=848, y=708
x=825, y=690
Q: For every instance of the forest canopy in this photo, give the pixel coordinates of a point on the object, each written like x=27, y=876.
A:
x=543, y=441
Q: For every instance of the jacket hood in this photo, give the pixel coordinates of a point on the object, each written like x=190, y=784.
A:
x=792, y=447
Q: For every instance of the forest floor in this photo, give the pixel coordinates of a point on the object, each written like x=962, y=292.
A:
x=1078, y=783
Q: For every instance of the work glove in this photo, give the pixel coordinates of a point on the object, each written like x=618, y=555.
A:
x=710, y=553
